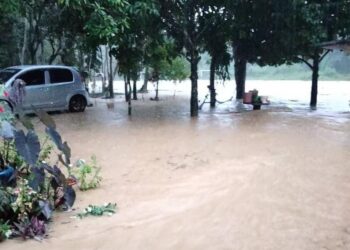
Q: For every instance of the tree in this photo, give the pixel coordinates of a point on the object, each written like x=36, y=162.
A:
x=121, y=26
x=176, y=69
x=38, y=32
x=129, y=64
x=132, y=51
x=186, y=22
x=144, y=88
x=10, y=29
x=216, y=40
x=35, y=14
x=8, y=6
x=102, y=23
x=258, y=35
x=318, y=22
x=157, y=59
x=164, y=63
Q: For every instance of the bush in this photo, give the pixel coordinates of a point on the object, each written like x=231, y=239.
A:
x=30, y=189
x=88, y=174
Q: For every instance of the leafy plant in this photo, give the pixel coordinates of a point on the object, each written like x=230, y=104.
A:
x=5, y=231
x=46, y=150
x=5, y=108
x=28, y=146
x=5, y=201
x=26, y=200
x=33, y=228
x=10, y=155
x=88, y=174
x=93, y=210
x=31, y=189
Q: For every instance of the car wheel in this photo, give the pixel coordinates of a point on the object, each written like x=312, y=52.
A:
x=77, y=104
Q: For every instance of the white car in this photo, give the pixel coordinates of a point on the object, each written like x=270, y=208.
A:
x=48, y=87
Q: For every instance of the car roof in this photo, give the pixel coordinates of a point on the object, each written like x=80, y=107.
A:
x=22, y=67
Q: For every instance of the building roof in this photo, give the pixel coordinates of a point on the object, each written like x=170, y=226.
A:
x=343, y=45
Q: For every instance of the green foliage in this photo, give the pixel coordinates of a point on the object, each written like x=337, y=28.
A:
x=29, y=188
x=28, y=146
x=10, y=30
x=9, y=6
x=10, y=155
x=26, y=199
x=46, y=150
x=177, y=69
x=102, y=21
x=162, y=58
x=88, y=174
x=140, y=41
x=93, y=210
x=5, y=230
x=6, y=200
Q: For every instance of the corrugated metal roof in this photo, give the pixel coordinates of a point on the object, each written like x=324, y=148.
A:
x=343, y=45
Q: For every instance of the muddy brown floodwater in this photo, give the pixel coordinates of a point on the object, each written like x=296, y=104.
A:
x=270, y=179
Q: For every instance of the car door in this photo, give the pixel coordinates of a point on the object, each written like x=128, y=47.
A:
x=36, y=89
x=61, y=85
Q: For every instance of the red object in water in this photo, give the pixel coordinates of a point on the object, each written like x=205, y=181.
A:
x=6, y=94
x=2, y=110
x=248, y=98
x=71, y=181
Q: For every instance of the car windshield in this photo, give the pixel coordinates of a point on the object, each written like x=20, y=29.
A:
x=6, y=74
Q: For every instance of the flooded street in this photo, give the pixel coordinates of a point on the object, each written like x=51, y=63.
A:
x=273, y=179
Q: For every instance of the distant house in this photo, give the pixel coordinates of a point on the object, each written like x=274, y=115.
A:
x=343, y=45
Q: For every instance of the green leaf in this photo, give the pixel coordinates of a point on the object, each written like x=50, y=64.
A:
x=45, y=118
x=28, y=146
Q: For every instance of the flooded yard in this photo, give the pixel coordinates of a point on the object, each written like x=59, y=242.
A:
x=235, y=179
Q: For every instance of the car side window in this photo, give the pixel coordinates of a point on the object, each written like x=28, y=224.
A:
x=33, y=77
x=60, y=75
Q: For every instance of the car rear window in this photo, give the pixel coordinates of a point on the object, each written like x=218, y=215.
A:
x=60, y=75
x=33, y=77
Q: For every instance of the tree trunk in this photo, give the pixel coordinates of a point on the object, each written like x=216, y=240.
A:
x=194, y=84
x=129, y=96
x=55, y=52
x=25, y=42
x=240, y=76
x=81, y=59
x=42, y=51
x=126, y=91
x=314, y=86
x=91, y=55
x=110, y=84
x=145, y=82
x=157, y=91
x=134, y=90
x=31, y=45
x=105, y=71
x=32, y=55
x=212, y=83
x=102, y=61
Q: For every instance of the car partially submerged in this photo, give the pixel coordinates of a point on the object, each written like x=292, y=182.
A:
x=47, y=87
